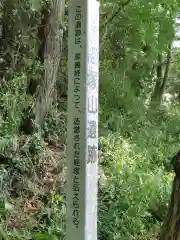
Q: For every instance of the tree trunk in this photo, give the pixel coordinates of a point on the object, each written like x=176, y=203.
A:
x=156, y=99
x=52, y=56
x=161, y=82
x=6, y=35
x=171, y=227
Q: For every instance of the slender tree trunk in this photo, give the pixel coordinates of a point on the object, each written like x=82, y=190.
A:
x=52, y=56
x=166, y=74
x=171, y=227
x=6, y=35
x=161, y=82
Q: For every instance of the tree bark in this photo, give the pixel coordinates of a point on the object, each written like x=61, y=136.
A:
x=6, y=35
x=161, y=82
x=52, y=56
x=171, y=227
x=155, y=100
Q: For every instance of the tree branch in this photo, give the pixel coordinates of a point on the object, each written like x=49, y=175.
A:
x=121, y=7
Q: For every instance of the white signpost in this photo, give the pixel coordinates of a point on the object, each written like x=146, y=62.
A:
x=82, y=151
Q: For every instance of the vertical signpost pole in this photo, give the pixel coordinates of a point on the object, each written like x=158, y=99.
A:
x=82, y=150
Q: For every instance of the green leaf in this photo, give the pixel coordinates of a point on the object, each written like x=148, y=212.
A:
x=44, y=236
x=35, y=5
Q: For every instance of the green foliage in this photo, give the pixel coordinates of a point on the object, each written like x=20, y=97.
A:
x=139, y=175
x=136, y=155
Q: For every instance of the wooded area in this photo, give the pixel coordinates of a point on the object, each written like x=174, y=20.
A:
x=139, y=128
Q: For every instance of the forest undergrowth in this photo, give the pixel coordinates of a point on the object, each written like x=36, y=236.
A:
x=135, y=151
